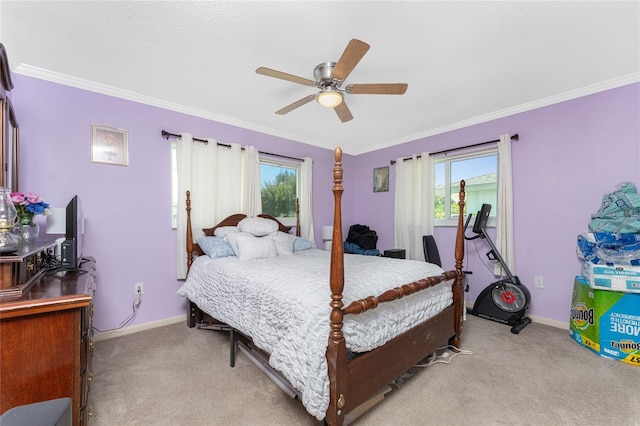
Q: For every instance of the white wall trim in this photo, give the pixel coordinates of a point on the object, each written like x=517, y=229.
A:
x=139, y=327
x=539, y=103
x=174, y=320
x=91, y=86
x=67, y=80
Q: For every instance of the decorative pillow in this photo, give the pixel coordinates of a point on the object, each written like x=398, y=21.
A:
x=258, y=226
x=232, y=239
x=252, y=248
x=224, y=230
x=302, y=244
x=215, y=247
x=284, y=243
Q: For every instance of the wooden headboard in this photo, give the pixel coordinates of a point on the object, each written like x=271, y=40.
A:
x=233, y=220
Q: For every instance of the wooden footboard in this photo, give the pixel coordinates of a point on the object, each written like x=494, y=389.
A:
x=354, y=382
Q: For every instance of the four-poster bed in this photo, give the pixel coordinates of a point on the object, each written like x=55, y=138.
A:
x=415, y=308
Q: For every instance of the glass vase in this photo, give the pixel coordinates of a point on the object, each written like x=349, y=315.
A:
x=8, y=240
x=27, y=229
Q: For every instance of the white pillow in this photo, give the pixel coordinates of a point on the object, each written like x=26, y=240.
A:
x=284, y=243
x=258, y=226
x=252, y=248
x=224, y=230
x=232, y=239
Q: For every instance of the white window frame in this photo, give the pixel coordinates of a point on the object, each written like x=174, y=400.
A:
x=449, y=221
x=286, y=221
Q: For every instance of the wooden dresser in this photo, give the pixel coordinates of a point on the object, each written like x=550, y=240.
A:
x=45, y=342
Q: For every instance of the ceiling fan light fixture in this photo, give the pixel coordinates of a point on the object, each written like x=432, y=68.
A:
x=329, y=98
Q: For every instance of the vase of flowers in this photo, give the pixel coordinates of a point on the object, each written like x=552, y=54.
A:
x=28, y=205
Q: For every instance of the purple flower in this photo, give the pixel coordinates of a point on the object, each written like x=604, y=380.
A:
x=29, y=204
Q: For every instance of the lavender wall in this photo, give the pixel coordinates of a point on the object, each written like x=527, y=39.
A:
x=568, y=156
x=128, y=228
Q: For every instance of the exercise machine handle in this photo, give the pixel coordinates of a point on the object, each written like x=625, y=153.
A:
x=466, y=224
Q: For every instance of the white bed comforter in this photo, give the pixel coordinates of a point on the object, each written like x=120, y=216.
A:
x=282, y=303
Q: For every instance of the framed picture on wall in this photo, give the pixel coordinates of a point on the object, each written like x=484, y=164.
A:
x=381, y=179
x=109, y=145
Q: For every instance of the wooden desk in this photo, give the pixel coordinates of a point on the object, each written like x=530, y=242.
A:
x=46, y=347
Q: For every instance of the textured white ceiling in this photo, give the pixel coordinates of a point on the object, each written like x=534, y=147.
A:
x=465, y=62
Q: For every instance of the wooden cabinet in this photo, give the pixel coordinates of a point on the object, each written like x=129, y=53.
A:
x=46, y=345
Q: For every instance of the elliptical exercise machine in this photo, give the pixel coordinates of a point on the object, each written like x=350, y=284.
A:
x=505, y=300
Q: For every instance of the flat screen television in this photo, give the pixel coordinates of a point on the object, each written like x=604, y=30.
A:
x=481, y=218
x=71, y=248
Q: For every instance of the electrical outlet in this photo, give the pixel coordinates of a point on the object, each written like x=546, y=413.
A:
x=138, y=289
x=538, y=282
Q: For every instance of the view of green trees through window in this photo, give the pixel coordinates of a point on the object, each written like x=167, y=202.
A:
x=279, y=190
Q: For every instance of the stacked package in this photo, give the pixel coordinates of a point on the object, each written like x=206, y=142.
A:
x=605, y=308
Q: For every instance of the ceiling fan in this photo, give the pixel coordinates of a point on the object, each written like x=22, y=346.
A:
x=329, y=77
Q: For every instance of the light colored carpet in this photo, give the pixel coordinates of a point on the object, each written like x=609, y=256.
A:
x=174, y=375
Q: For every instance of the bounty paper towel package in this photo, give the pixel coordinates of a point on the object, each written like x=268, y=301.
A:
x=606, y=322
x=619, y=317
x=583, y=327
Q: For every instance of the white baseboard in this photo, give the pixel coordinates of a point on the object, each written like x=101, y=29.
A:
x=535, y=318
x=139, y=327
x=174, y=320
x=548, y=321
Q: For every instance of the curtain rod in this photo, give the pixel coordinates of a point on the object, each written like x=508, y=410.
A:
x=168, y=135
x=445, y=151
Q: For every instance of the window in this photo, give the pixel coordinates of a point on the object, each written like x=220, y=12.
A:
x=479, y=170
x=279, y=190
x=278, y=183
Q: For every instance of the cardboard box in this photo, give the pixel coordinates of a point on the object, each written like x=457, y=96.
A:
x=618, y=277
x=606, y=322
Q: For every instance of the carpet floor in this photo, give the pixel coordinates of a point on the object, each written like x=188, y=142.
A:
x=173, y=375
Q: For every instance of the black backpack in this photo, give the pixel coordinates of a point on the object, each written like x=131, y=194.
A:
x=362, y=236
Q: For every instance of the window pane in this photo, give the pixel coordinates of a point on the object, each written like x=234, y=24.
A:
x=480, y=174
x=439, y=208
x=481, y=179
x=278, y=185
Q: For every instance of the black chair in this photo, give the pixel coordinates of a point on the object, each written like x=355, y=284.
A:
x=430, y=248
x=432, y=255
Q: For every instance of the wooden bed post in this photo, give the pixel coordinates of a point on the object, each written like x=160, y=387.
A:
x=337, y=349
x=458, y=286
x=189, y=233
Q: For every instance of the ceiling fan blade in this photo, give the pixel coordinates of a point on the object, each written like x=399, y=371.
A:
x=296, y=104
x=350, y=57
x=377, y=89
x=284, y=76
x=343, y=112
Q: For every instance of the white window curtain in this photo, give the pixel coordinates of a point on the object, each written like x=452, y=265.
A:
x=414, y=199
x=504, y=220
x=252, y=199
x=306, y=207
x=212, y=174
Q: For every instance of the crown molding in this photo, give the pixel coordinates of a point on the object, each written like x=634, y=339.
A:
x=91, y=86
x=561, y=97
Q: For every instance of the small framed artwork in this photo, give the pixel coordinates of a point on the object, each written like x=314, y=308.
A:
x=381, y=179
x=109, y=145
